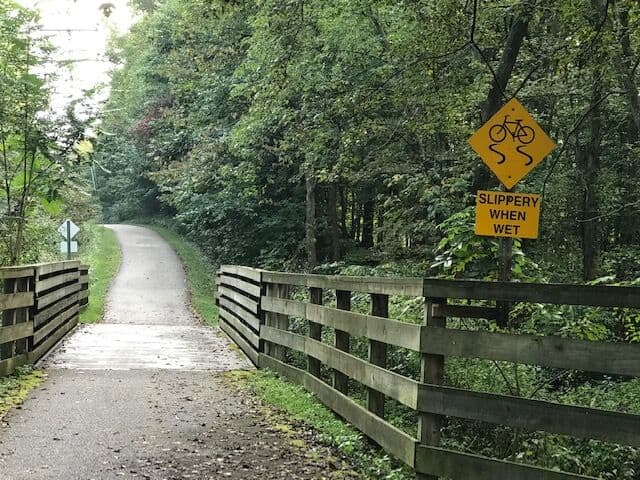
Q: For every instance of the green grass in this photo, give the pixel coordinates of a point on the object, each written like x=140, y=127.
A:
x=15, y=388
x=200, y=274
x=301, y=406
x=103, y=257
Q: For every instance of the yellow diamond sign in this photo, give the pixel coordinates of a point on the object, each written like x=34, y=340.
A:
x=511, y=143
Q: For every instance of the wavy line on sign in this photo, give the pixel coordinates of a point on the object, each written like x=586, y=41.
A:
x=525, y=154
x=502, y=157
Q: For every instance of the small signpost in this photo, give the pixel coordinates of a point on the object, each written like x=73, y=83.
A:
x=511, y=144
x=68, y=230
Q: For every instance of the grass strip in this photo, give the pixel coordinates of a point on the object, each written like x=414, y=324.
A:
x=200, y=274
x=15, y=388
x=301, y=406
x=103, y=257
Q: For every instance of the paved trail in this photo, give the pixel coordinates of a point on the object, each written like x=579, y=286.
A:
x=140, y=396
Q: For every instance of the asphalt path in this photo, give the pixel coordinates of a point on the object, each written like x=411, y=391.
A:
x=142, y=394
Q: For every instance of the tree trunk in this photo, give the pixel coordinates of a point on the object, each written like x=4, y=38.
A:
x=380, y=236
x=368, y=210
x=590, y=205
x=482, y=178
x=310, y=224
x=334, y=228
x=355, y=218
x=626, y=70
x=343, y=212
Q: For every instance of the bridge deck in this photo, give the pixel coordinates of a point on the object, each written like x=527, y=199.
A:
x=140, y=396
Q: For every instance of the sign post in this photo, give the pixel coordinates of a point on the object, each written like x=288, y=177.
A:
x=511, y=144
x=68, y=230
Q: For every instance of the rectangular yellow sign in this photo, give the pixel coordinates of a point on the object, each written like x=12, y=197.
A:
x=506, y=214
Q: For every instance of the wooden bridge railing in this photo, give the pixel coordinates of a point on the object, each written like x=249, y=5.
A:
x=255, y=309
x=40, y=304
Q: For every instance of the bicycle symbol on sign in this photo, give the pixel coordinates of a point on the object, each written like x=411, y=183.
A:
x=518, y=133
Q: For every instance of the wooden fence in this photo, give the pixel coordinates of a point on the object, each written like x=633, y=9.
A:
x=255, y=309
x=40, y=305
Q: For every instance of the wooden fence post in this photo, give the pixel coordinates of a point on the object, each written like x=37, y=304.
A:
x=315, y=332
x=377, y=354
x=8, y=318
x=277, y=320
x=431, y=372
x=24, y=314
x=340, y=380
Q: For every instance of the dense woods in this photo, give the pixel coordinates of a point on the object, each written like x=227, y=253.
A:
x=302, y=133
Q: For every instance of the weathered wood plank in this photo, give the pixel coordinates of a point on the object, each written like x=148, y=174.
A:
x=83, y=279
x=462, y=466
x=387, y=436
x=548, y=351
x=18, y=331
x=8, y=365
x=48, y=268
x=252, y=320
x=341, y=341
x=82, y=294
x=598, y=296
x=247, y=272
x=377, y=354
x=384, y=330
x=246, y=302
x=239, y=341
x=382, y=285
x=40, y=351
x=42, y=285
x=531, y=414
x=432, y=372
x=49, y=298
x=44, y=315
x=276, y=320
x=389, y=383
x=298, y=279
x=315, y=331
x=15, y=300
x=247, y=288
x=54, y=323
x=16, y=272
x=466, y=311
x=238, y=326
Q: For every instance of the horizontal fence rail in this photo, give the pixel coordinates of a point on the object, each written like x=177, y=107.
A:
x=239, y=293
x=257, y=308
x=40, y=305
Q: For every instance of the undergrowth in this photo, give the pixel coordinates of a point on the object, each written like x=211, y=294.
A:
x=299, y=405
x=103, y=256
x=15, y=388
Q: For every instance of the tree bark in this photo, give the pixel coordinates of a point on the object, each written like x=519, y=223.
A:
x=310, y=223
x=343, y=212
x=334, y=228
x=368, y=210
x=626, y=70
x=482, y=178
x=590, y=205
x=380, y=235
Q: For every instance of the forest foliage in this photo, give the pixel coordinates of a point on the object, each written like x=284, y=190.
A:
x=296, y=133
x=43, y=154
